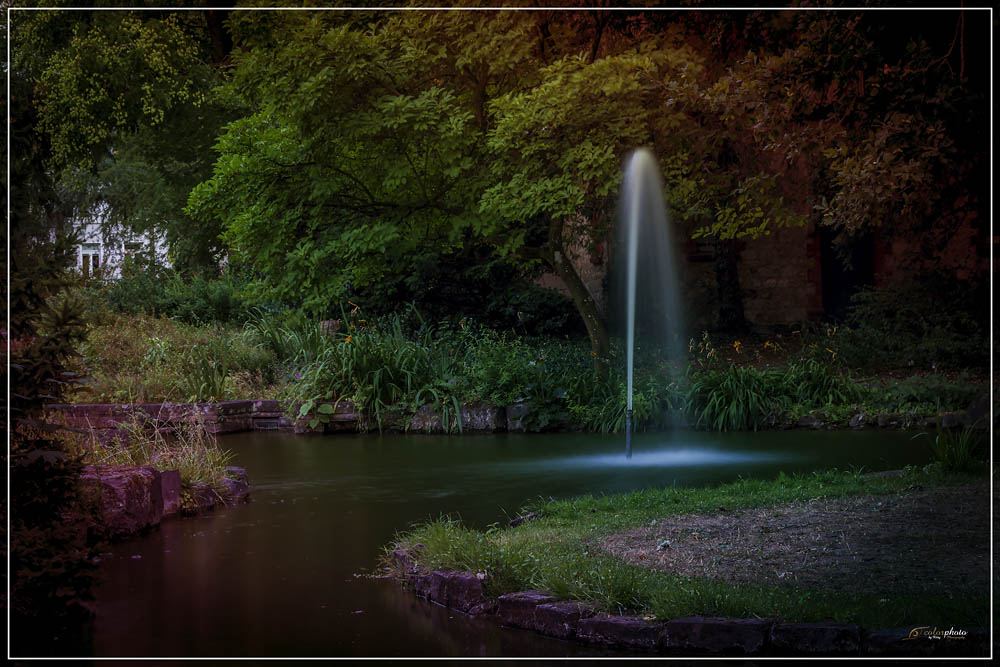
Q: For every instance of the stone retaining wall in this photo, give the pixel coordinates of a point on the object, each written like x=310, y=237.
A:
x=271, y=415
x=126, y=500
x=692, y=636
x=218, y=418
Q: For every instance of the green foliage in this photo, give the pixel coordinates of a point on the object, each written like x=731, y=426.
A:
x=744, y=397
x=118, y=70
x=381, y=368
x=204, y=378
x=959, y=450
x=141, y=289
x=149, y=288
x=740, y=397
x=115, y=114
x=145, y=359
x=51, y=573
x=815, y=383
x=470, y=285
x=927, y=323
x=347, y=160
x=933, y=390
x=600, y=404
x=553, y=162
x=452, y=545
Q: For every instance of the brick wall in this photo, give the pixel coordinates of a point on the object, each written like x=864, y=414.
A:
x=781, y=277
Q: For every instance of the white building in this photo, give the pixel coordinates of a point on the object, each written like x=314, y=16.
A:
x=103, y=249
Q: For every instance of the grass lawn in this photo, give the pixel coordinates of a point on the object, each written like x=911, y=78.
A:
x=879, y=551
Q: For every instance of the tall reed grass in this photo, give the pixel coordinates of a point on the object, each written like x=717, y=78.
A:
x=187, y=448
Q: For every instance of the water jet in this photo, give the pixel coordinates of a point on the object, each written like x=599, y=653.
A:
x=650, y=267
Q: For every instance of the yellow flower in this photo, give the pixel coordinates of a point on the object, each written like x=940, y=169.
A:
x=737, y=345
x=348, y=339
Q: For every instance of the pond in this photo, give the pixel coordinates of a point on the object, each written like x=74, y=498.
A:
x=285, y=574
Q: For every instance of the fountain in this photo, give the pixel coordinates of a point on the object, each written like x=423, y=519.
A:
x=647, y=253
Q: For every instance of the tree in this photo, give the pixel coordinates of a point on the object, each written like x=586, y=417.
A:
x=355, y=154
x=555, y=170
x=365, y=137
x=117, y=111
x=364, y=144
x=815, y=116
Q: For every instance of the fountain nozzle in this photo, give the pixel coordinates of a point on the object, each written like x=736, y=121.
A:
x=628, y=433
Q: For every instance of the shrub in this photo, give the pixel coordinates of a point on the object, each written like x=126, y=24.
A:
x=540, y=372
x=600, y=404
x=144, y=358
x=815, y=384
x=381, y=368
x=933, y=322
x=737, y=398
x=142, y=288
x=961, y=450
x=203, y=300
x=932, y=390
x=146, y=287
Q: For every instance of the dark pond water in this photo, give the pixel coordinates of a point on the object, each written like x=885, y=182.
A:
x=283, y=575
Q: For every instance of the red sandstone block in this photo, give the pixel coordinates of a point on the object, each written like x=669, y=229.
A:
x=302, y=427
x=234, y=407
x=731, y=636
x=816, y=638
x=483, y=418
x=267, y=407
x=425, y=420
x=518, y=609
x=464, y=590
x=560, y=619
x=170, y=485
x=630, y=631
x=422, y=585
x=126, y=499
x=437, y=590
x=233, y=424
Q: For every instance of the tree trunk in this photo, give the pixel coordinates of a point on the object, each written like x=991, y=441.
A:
x=727, y=278
x=593, y=319
x=222, y=41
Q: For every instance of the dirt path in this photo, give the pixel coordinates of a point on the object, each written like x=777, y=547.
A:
x=916, y=541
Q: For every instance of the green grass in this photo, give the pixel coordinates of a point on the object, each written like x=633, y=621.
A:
x=556, y=553
x=189, y=449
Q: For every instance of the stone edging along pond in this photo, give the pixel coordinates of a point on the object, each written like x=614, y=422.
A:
x=696, y=635
x=127, y=500
x=272, y=415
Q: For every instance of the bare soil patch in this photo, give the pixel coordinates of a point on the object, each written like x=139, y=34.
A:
x=916, y=542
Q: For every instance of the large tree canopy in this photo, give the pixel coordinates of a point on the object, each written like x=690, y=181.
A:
x=367, y=136
x=348, y=159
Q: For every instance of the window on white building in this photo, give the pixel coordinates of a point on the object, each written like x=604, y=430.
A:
x=90, y=259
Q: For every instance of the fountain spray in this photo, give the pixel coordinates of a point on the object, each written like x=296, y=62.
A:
x=644, y=212
x=633, y=194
